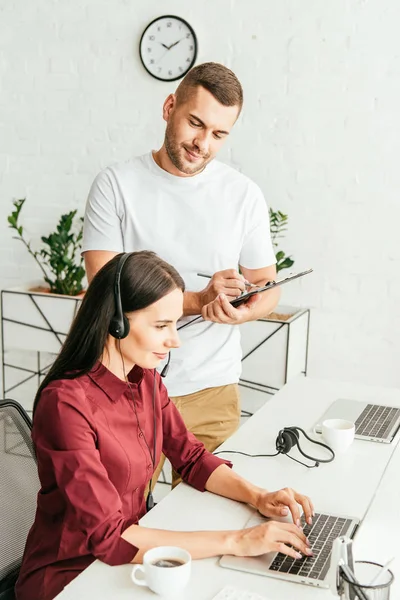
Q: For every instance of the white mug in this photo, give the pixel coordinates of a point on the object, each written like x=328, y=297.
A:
x=166, y=570
x=338, y=434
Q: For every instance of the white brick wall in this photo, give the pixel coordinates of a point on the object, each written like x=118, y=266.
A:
x=319, y=133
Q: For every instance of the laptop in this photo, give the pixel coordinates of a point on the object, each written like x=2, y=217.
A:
x=373, y=422
x=308, y=570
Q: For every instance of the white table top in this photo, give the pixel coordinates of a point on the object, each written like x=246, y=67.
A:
x=346, y=486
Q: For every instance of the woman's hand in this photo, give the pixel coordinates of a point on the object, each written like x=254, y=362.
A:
x=271, y=537
x=278, y=504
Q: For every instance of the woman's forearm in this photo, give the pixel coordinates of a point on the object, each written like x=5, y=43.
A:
x=225, y=482
x=200, y=544
x=253, y=541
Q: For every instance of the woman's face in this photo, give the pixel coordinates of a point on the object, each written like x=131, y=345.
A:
x=153, y=331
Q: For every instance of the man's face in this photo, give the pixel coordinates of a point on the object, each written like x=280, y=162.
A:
x=196, y=130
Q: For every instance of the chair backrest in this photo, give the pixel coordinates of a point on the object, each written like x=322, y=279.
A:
x=19, y=485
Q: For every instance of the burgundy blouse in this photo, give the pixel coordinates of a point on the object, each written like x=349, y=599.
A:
x=94, y=466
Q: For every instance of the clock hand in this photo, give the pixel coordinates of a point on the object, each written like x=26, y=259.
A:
x=161, y=57
x=176, y=43
x=168, y=48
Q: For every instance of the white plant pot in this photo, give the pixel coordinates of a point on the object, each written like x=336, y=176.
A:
x=275, y=351
x=36, y=321
x=34, y=326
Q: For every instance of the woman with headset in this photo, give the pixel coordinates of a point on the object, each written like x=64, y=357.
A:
x=102, y=417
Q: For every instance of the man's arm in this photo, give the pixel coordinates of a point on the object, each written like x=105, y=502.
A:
x=228, y=282
x=260, y=305
x=95, y=260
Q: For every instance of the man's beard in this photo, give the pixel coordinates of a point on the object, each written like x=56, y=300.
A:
x=174, y=153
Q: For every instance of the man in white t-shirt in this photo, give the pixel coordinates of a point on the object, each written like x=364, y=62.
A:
x=202, y=216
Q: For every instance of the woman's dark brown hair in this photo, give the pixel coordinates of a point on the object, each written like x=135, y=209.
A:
x=145, y=278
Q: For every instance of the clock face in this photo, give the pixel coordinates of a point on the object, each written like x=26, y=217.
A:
x=168, y=48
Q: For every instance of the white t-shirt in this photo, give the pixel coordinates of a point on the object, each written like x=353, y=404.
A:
x=212, y=221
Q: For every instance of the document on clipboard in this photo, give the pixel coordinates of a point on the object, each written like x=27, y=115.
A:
x=268, y=286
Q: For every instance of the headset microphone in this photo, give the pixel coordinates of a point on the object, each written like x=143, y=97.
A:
x=164, y=372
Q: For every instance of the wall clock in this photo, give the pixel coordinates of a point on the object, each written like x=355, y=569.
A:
x=168, y=48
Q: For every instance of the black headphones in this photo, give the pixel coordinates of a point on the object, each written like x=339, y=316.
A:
x=119, y=328
x=119, y=324
x=289, y=437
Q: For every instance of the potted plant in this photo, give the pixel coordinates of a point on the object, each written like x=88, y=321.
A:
x=275, y=347
x=37, y=316
x=58, y=259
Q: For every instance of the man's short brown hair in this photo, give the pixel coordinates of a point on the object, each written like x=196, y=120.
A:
x=220, y=81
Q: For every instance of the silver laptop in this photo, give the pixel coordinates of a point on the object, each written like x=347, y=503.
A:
x=373, y=422
x=308, y=570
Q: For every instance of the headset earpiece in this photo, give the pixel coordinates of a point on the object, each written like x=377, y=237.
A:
x=117, y=328
x=119, y=324
x=287, y=438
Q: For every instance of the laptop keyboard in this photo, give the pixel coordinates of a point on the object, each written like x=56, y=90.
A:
x=321, y=535
x=376, y=421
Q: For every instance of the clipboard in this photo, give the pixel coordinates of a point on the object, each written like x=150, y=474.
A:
x=268, y=286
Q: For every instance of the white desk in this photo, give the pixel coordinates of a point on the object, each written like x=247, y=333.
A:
x=345, y=486
x=379, y=535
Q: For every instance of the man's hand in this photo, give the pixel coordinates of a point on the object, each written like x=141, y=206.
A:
x=222, y=311
x=228, y=282
x=278, y=504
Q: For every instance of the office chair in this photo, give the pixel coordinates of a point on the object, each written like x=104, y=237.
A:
x=19, y=485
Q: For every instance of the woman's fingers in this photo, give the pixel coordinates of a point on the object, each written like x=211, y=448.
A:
x=274, y=537
x=307, y=507
x=281, y=547
x=285, y=538
x=288, y=497
x=292, y=500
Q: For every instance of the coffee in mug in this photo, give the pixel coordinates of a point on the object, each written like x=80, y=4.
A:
x=167, y=563
x=165, y=570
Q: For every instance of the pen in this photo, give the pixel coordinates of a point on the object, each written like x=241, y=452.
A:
x=246, y=283
x=353, y=582
x=381, y=572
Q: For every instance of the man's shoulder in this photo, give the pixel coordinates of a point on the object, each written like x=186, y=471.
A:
x=129, y=166
x=234, y=176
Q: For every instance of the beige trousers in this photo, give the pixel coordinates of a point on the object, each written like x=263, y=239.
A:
x=212, y=415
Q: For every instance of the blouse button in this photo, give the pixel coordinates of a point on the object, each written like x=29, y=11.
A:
x=140, y=434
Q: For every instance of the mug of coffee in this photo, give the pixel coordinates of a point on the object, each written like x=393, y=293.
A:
x=338, y=434
x=166, y=570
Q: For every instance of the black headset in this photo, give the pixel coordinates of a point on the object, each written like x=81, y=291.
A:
x=119, y=328
x=287, y=438
x=119, y=325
